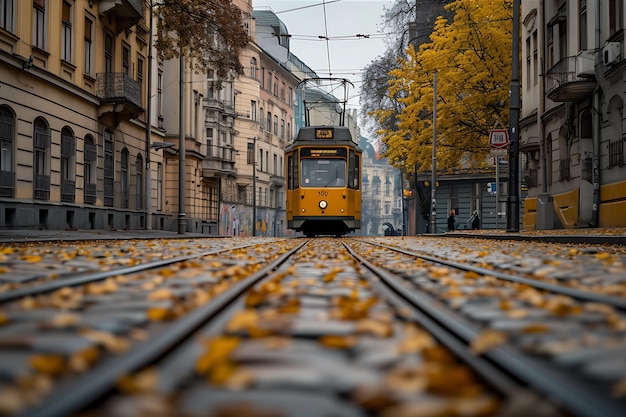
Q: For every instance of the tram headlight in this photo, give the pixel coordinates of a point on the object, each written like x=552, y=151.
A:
x=323, y=204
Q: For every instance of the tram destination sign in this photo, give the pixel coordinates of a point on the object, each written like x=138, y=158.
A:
x=323, y=152
x=324, y=133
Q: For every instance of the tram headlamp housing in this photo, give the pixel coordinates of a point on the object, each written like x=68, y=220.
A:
x=323, y=204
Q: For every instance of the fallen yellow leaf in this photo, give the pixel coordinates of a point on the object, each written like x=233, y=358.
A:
x=486, y=340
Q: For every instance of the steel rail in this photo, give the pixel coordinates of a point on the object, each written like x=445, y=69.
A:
x=84, y=278
x=576, y=396
x=617, y=302
x=77, y=393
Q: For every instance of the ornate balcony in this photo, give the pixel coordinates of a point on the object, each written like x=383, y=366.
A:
x=119, y=94
x=571, y=79
x=126, y=13
x=219, y=162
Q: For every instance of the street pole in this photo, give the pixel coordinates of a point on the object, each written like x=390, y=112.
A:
x=513, y=202
x=181, y=149
x=433, y=178
x=254, y=186
x=149, y=128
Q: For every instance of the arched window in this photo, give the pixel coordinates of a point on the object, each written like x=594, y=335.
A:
x=109, y=168
x=7, y=139
x=41, y=160
x=68, y=166
x=90, y=156
x=139, y=179
x=124, y=178
x=253, y=67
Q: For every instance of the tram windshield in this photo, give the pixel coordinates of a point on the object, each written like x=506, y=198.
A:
x=323, y=173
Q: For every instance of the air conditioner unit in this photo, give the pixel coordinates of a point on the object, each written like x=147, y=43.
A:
x=611, y=53
x=585, y=61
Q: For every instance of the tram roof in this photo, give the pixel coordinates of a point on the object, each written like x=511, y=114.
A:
x=308, y=135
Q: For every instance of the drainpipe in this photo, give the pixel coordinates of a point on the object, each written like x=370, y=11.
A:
x=597, y=124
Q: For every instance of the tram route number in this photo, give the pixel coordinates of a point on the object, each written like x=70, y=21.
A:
x=322, y=193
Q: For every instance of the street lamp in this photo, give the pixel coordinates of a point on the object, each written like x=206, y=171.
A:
x=181, y=147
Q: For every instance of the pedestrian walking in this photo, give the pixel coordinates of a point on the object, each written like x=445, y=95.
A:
x=451, y=221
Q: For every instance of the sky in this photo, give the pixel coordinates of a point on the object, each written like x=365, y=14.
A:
x=340, y=52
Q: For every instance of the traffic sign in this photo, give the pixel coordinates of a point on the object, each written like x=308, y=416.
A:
x=498, y=138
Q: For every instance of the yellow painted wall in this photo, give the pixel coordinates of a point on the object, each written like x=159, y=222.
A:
x=566, y=208
x=529, y=220
x=612, y=207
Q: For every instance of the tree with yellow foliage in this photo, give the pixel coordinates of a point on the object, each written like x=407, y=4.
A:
x=472, y=58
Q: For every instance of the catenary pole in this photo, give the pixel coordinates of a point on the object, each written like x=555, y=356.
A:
x=513, y=200
x=433, y=177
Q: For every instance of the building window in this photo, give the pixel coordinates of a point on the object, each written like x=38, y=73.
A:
x=88, y=47
x=139, y=179
x=124, y=178
x=160, y=94
x=7, y=15
x=39, y=23
x=269, y=122
x=41, y=160
x=7, y=133
x=90, y=156
x=126, y=60
x=276, y=125
x=528, y=67
x=582, y=25
x=253, y=67
x=140, y=64
x=159, y=186
x=253, y=115
x=282, y=128
x=276, y=86
x=109, y=169
x=108, y=53
x=535, y=59
x=250, y=154
x=616, y=18
x=261, y=118
x=66, y=48
x=68, y=166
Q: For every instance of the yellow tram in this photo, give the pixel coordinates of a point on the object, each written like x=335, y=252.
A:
x=323, y=182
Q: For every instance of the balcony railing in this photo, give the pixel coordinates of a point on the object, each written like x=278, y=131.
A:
x=90, y=193
x=68, y=191
x=567, y=80
x=7, y=184
x=118, y=87
x=42, y=187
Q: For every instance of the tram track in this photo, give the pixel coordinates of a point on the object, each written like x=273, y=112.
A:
x=322, y=327
x=525, y=332
x=43, y=283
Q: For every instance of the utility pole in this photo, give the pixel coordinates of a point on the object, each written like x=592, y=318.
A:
x=149, y=127
x=433, y=178
x=512, y=210
x=181, y=148
x=254, y=186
